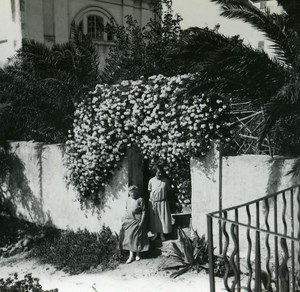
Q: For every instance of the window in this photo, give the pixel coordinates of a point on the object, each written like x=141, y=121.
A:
x=92, y=22
x=95, y=27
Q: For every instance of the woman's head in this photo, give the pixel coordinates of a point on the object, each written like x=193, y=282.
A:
x=133, y=191
x=159, y=173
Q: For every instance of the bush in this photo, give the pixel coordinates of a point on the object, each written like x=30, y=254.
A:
x=13, y=229
x=27, y=284
x=144, y=51
x=75, y=252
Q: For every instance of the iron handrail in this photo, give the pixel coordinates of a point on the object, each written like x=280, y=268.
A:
x=254, y=201
x=255, y=228
x=279, y=253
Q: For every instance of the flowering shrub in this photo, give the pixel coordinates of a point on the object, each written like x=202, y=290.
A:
x=158, y=115
x=28, y=284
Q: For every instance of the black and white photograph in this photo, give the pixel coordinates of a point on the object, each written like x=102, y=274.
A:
x=149, y=145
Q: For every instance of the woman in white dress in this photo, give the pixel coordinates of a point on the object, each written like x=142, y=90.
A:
x=159, y=209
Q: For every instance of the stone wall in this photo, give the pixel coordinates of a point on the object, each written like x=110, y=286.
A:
x=37, y=190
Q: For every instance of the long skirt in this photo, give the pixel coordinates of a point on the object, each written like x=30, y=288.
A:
x=133, y=237
x=159, y=217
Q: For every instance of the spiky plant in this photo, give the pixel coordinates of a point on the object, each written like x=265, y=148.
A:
x=190, y=254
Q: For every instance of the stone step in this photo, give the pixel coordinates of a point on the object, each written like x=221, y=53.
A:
x=182, y=219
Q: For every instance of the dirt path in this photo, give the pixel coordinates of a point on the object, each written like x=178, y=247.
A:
x=142, y=276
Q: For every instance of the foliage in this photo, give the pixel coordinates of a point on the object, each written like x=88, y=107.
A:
x=144, y=51
x=191, y=254
x=40, y=84
x=7, y=160
x=28, y=284
x=4, y=162
x=75, y=252
x=184, y=196
x=11, y=229
x=160, y=116
x=243, y=73
x=287, y=135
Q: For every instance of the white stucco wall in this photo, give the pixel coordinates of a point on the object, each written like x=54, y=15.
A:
x=44, y=197
x=205, y=188
x=244, y=178
x=249, y=177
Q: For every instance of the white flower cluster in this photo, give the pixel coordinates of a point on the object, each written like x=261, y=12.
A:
x=159, y=116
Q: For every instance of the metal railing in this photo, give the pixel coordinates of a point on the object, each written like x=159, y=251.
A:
x=260, y=246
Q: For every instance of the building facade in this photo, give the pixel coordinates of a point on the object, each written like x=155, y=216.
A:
x=49, y=21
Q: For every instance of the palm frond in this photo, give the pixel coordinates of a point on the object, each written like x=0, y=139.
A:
x=292, y=8
x=284, y=104
x=41, y=85
x=295, y=169
x=285, y=42
x=230, y=67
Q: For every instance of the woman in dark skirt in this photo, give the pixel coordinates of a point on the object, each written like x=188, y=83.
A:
x=133, y=234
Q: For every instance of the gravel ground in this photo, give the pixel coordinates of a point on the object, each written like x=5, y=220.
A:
x=142, y=276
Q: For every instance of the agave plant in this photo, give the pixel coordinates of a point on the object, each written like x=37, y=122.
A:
x=189, y=254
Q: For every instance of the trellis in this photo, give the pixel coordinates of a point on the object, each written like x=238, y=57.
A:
x=249, y=124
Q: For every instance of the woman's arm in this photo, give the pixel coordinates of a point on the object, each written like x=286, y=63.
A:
x=142, y=205
x=143, y=218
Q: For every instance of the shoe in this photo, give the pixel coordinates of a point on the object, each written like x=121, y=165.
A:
x=137, y=258
x=130, y=260
x=162, y=237
x=154, y=237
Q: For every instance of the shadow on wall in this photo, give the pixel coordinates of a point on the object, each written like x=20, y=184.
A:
x=275, y=175
x=117, y=185
x=210, y=163
x=15, y=189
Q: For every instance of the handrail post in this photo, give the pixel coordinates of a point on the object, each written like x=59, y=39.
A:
x=210, y=253
x=257, y=253
x=220, y=198
x=238, y=250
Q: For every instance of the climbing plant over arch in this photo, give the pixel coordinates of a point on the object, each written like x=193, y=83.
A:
x=160, y=115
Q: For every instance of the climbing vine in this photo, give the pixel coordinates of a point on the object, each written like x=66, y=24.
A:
x=161, y=116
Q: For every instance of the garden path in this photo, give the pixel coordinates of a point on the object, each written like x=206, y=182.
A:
x=136, y=277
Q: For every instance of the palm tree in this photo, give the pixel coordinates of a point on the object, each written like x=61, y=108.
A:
x=243, y=73
x=40, y=84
